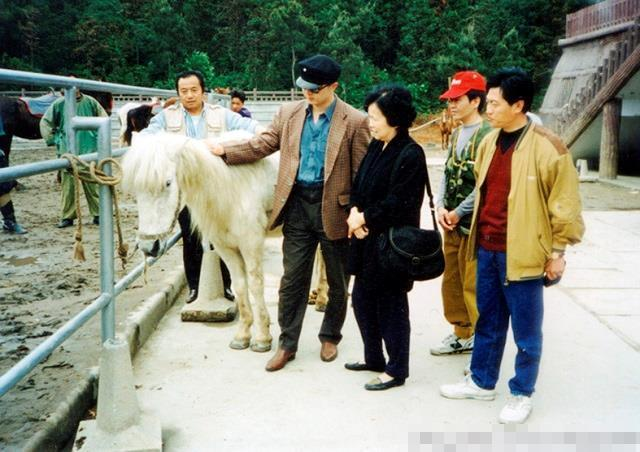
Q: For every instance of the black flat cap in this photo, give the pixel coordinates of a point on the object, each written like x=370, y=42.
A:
x=318, y=70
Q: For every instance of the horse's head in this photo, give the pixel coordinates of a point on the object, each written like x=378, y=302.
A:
x=149, y=173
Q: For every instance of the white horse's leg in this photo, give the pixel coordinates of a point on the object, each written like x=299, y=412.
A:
x=322, y=287
x=252, y=254
x=234, y=262
x=315, y=280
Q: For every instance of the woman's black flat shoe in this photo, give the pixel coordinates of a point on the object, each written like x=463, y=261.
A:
x=378, y=385
x=361, y=366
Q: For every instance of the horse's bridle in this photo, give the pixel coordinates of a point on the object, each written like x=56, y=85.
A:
x=165, y=234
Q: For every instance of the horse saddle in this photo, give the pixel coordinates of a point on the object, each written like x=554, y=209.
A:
x=37, y=106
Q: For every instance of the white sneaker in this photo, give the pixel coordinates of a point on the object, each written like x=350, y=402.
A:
x=453, y=344
x=467, y=389
x=517, y=410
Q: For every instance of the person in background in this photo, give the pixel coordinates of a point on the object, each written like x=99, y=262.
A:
x=387, y=192
x=52, y=128
x=238, y=99
x=527, y=211
x=9, y=222
x=454, y=206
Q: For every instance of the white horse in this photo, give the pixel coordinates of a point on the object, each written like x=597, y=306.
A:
x=229, y=206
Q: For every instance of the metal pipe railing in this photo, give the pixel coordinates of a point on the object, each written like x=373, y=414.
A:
x=105, y=302
x=11, y=76
x=47, y=166
x=108, y=319
x=57, y=81
x=43, y=350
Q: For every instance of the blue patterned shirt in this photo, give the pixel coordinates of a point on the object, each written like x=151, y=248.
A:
x=313, y=146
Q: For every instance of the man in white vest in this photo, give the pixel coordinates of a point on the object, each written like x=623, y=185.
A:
x=195, y=118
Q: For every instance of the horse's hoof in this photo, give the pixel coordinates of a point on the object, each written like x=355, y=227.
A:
x=261, y=347
x=239, y=345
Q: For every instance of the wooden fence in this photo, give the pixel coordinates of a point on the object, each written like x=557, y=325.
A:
x=601, y=15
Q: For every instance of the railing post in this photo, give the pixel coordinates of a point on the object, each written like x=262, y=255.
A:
x=107, y=279
x=69, y=114
x=108, y=318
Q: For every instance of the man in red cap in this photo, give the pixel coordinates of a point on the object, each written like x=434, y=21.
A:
x=466, y=98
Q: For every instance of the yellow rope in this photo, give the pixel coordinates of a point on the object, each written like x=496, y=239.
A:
x=96, y=175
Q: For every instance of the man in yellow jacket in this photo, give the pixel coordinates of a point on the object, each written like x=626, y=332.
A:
x=527, y=210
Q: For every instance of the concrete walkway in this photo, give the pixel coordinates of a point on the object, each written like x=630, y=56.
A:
x=209, y=397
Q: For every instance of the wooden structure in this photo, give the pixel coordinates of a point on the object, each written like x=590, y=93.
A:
x=599, y=64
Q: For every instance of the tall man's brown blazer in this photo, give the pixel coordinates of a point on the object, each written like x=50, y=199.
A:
x=346, y=145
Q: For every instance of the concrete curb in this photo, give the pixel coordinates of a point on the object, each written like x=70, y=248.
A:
x=61, y=426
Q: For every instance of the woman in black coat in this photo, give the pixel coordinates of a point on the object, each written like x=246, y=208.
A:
x=388, y=191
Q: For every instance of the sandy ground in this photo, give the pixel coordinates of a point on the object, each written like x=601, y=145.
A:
x=41, y=287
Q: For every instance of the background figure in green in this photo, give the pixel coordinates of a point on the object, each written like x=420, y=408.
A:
x=52, y=127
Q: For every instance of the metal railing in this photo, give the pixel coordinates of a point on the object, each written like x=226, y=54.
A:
x=274, y=96
x=105, y=302
x=252, y=95
x=601, y=15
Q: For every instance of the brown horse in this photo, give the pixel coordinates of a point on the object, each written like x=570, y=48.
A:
x=16, y=119
x=446, y=125
x=135, y=117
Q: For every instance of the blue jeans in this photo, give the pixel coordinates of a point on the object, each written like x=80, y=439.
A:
x=497, y=301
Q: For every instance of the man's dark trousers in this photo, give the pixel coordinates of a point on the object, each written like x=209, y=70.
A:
x=192, y=254
x=302, y=232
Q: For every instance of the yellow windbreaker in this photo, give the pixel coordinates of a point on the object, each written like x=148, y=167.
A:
x=544, y=208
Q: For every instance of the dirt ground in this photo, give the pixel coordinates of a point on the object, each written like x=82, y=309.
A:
x=41, y=287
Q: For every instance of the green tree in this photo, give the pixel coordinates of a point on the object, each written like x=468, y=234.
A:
x=98, y=49
x=340, y=42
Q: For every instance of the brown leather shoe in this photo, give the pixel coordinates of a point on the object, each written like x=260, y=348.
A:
x=328, y=352
x=279, y=360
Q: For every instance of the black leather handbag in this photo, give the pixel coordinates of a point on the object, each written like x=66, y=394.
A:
x=411, y=251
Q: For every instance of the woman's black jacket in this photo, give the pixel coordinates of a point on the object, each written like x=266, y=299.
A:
x=389, y=189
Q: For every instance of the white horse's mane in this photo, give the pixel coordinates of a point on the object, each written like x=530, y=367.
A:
x=209, y=184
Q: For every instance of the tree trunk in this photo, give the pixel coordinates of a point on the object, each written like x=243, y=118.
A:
x=293, y=67
x=610, y=139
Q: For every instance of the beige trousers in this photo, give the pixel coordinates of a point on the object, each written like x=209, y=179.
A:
x=459, y=285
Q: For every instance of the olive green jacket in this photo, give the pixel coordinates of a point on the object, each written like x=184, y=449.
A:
x=53, y=130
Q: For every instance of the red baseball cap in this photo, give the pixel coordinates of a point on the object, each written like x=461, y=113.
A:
x=462, y=83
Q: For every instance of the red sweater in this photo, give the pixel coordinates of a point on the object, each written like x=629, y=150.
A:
x=492, y=221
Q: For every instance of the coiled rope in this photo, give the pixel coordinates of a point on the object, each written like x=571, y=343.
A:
x=92, y=172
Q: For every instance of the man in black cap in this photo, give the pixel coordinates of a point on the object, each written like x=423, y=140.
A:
x=321, y=141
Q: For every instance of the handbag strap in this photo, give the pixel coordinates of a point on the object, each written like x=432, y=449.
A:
x=431, y=205
x=429, y=193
